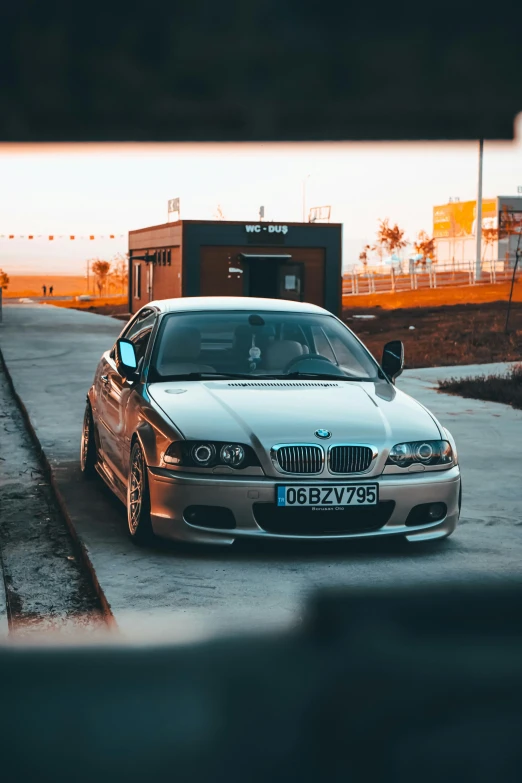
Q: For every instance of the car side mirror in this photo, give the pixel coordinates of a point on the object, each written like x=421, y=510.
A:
x=126, y=361
x=393, y=359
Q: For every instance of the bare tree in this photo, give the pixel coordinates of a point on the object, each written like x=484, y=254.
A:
x=100, y=270
x=119, y=273
x=395, y=241
x=4, y=279
x=389, y=238
x=424, y=246
x=363, y=256
x=489, y=237
x=381, y=242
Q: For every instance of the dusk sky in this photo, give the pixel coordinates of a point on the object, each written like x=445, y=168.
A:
x=102, y=189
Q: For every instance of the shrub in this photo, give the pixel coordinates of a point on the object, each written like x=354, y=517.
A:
x=495, y=388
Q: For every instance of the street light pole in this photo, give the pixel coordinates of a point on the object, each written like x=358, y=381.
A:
x=478, y=229
x=304, y=197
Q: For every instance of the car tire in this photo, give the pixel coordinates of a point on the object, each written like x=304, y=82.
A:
x=138, y=498
x=88, y=451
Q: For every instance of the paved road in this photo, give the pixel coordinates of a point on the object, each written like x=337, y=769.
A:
x=51, y=354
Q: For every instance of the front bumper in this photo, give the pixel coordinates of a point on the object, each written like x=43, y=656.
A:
x=172, y=493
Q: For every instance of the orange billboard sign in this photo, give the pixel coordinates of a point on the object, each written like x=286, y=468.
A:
x=458, y=218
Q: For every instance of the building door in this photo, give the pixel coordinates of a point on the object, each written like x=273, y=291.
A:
x=261, y=279
x=273, y=277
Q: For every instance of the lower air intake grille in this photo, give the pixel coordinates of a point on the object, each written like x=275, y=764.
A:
x=350, y=459
x=322, y=522
x=299, y=459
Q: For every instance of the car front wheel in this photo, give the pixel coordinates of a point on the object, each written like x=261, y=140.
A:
x=138, y=498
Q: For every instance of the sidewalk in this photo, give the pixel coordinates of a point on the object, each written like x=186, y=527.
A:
x=4, y=627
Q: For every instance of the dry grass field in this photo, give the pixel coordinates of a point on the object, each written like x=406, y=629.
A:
x=31, y=285
x=435, y=297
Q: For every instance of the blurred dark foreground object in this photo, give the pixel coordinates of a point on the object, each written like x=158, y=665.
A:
x=392, y=684
x=245, y=71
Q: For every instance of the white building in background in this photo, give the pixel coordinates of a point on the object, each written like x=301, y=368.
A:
x=454, y=230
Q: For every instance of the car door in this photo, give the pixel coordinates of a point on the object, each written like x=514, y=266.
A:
x=115, y=393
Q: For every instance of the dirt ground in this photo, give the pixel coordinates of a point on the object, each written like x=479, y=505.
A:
x=443, y=336
x=103, y=306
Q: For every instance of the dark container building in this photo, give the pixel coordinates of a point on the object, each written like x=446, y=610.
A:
x=296, y=261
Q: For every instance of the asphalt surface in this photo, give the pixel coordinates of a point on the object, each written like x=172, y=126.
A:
x=172, y=592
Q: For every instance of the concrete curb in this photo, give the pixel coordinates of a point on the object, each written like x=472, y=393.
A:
x=4, y=611
x=106, y=607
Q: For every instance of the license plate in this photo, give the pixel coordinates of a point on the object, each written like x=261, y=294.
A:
x=335, y=495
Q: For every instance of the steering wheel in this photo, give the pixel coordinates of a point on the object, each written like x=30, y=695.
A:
x=306, y=357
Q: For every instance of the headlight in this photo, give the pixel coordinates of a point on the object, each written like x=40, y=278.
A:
x=232, y=454
x=423, y=452
x=209, y=454
x=203, y=453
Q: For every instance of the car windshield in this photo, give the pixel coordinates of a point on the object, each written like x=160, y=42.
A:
x=258, y=344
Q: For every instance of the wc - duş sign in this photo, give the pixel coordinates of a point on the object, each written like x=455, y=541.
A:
x=271, y=228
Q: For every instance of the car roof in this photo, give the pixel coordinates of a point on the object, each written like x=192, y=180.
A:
x=224, y=303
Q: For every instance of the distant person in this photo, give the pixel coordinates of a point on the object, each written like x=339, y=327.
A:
x=44, y=289
x=50, y=290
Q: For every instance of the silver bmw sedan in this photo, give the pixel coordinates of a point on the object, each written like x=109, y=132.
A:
x=219, y=418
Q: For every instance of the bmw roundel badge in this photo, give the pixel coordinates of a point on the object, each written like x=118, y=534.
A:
x=323, y=433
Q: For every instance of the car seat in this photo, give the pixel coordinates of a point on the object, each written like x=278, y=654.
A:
x=180, y=350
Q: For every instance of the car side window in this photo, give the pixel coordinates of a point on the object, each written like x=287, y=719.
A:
x=140, y=335
x=144, y=318
x=137, y=328
x=140, y=345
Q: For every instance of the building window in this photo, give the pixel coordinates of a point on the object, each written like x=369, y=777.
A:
x=137, y=281
x=169, y=257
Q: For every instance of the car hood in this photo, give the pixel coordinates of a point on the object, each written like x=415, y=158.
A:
x=269, y=412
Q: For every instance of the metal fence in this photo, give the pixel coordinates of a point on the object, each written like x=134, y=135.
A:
x=381, y=281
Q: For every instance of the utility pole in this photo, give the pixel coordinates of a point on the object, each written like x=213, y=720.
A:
x=88, y=265
x=304, y=197
x=478, y=224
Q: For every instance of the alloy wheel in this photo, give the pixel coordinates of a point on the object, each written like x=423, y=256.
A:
x=135, y=490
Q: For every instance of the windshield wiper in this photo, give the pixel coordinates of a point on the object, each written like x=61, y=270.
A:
x=323, y=376
x=201, y=376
